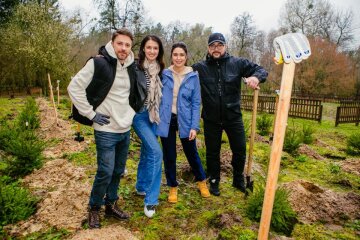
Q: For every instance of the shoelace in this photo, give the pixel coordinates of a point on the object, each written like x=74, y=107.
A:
x=150, y=207
x=118, y=211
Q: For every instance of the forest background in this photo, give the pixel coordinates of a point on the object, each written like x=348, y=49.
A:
x=37, y=38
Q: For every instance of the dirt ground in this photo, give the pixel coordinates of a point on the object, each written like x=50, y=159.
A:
x=316, y=204
x=63, y=188
x=351, y=165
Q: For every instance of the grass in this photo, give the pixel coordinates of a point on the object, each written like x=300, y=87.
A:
x=223, y=217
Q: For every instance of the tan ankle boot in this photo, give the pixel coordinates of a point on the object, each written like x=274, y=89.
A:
x=172, y=195
x=203, y=189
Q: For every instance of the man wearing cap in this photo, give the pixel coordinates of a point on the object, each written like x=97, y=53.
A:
x=220, y=79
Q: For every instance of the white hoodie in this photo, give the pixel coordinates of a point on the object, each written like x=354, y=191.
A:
x=116, y=104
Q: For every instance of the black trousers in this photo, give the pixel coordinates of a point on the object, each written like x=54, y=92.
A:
x=236, y=135
x=169, y=155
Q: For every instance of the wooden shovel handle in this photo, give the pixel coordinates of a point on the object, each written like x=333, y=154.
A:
x=276, y=148
x=252, y=133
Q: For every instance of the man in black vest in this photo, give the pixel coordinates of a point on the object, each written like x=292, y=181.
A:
x=104, y=93
x=220, y=80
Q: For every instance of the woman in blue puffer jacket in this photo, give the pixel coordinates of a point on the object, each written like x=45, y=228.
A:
x=180, y=111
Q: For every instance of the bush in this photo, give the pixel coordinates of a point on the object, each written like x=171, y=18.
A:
x=6, y=133
x=264, y=124
x=353, y=144
x=26, y=149
x=307, y=134
x=283, y=216
x=29, y=116
x=292, y=140
x=16, y=203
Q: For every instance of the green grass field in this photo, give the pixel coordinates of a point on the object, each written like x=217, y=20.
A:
x=223, y=217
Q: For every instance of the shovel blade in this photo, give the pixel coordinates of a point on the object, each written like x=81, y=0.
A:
x=249, y=185
x=78, y=137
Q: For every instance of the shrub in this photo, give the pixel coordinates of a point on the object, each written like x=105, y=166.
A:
x=353, y=144
x=29, y=116
x=283, y=216
x=27, y=149
x=292, y=140
x=6, y=133
x=264, y=124
x=307, y=134
x=16, y=203
x=334, y=168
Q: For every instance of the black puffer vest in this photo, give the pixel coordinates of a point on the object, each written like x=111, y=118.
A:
x=102, y=81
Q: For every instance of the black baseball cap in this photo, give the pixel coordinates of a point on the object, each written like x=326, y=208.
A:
x=216, y=37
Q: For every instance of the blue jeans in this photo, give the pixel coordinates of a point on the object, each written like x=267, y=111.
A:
x=190, y=150
x=149, y=169
x=112, y=150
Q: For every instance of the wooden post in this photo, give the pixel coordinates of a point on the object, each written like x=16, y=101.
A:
x=276, y=148
x=52, y=99
x=58, y=92
x=252, y=134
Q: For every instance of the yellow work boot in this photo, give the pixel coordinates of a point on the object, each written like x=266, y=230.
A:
x=172, y=195
x=203, y=189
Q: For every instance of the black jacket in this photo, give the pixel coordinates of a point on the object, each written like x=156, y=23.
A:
x=103, y=79
x=220, y=81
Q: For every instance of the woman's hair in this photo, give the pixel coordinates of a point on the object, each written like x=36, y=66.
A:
x=122, y=31
x=181, y=45
x=159, y=58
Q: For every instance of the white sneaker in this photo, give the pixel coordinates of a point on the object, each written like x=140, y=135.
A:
x=149, y=210
x=140, y=193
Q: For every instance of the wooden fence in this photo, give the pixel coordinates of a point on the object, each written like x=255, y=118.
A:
x=348, y=112
x=299, y=107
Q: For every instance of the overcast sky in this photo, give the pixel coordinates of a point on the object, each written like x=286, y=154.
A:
x=217, y=14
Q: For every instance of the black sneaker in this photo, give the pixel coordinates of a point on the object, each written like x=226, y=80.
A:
x=214, y=188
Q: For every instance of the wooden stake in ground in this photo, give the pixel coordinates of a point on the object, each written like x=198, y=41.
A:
x=52, y=99
x=293, y=47
x=58, y=92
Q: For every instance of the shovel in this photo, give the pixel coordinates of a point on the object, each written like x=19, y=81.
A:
x=249, y=181
x=290, y=48
x=78, y=136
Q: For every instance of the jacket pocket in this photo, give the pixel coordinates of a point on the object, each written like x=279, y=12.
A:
x=233, y=111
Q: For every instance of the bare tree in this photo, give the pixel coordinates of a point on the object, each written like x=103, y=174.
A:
x=243, y=32
x=114, y=15
x=318, y=18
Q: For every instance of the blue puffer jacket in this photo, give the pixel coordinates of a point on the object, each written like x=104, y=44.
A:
x=188, y=104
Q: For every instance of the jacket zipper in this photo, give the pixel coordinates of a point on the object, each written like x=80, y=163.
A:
x=220, y=90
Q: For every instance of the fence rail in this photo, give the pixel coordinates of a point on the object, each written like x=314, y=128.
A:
x=299, y=107
x=348, y=112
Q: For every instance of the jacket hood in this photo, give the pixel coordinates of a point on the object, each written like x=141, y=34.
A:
x=210, y=59
x=186, y=70
x=169, y=71
x=109, y=53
